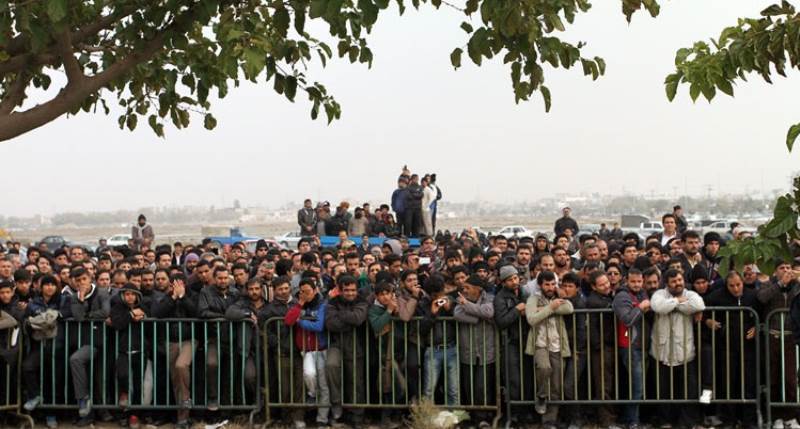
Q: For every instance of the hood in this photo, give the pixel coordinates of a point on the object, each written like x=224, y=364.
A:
x=393, y=244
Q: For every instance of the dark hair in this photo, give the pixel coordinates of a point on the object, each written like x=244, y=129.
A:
x=281, y=280
x=239, y=267
x=654, y=245
x=459, y=269
x=475, y=280
x=545, y=276
x=48, y=279
x=383, y=287
x=625, y=247
x=634, y=272
x=220, y=269
x=308, y=258
x=345, y=279
x=671, y=274
x=404, y=275
x=391, y=258
x=22, y=275
x=667, y=216
x=690, y=234
x=77, y=272
x=650, y=271
x=594, y=276
x=571, y=278
x=307, y=281
x=434, y=284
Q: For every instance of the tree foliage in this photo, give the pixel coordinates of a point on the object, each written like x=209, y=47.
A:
x=163, y=60
x=765, y=45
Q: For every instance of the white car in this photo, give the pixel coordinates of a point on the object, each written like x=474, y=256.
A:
x=518, y=231
x=118, y=240
x=288, y=240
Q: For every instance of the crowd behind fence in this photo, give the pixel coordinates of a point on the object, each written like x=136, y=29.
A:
x=259, y=368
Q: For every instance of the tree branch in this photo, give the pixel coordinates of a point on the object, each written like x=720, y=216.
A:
x=14, y=94
x=71, y=65
x=69, y=97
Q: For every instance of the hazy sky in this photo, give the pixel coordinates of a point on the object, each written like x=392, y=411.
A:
x=618, y=134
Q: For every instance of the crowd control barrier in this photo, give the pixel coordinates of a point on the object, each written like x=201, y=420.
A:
x=143, y=366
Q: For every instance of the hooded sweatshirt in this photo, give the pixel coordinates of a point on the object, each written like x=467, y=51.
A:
x=309, y=324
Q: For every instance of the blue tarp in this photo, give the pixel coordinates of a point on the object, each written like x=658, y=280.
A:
x=332, y=241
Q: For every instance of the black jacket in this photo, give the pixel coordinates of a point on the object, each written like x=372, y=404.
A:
x=436, y=331
x=345, y=322
x=565, y=222
x=414, y=194
x=576, y=324
x=239, y=313
x=96, y=307
x=183, y=308
x=133, y=336
x=211, y=304
x=606, y=319
x=734, y=323
x=278, y=334
x=507, y=318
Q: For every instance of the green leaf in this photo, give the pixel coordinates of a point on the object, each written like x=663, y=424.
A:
x=601, y=63
x=209, y=122
x=281, y=20
x=253, y=62
x=57, y=10
x=300, y=19
x=725, y=86
x=694, y=91
x=794, y=131
x=546, y=95
x=131, y=122
x=291, y=87
x=466, y=27
x=455, y=57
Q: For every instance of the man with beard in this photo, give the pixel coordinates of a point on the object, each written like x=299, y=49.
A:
x=630, y=306
x=673, y=346
x=563, y=263
x=601, y=340
x=691, y=255
x=548, y=343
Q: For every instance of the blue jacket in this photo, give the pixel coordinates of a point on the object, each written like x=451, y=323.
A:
x=399, y=200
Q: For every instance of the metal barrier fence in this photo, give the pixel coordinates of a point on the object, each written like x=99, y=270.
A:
x=451, y=362
x=782, y=363
x=455, y=363
x=10, y=374
x=148, y=365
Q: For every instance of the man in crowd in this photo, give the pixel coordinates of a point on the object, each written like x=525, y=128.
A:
x=565, y=222
x=307, y=219
x=142, y=234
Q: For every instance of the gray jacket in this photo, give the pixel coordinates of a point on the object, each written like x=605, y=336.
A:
x=673, y=329
x=629, y=315
x=476, y=330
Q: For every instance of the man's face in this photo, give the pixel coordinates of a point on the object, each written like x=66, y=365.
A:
x=459, y=279
x=349, y=292
x=630, y=255
x=781, y=269
x=162, y=281
x=561, y=258
x=62, y=260
x=307, y=204
x=254, y=292
x=240, y=276
x=49, y=290
x=6, y=269
x=700, y=286
x=139, y=260
x=304, y=247
x=635, y=282
x=368, y=259
x=602, y=286
x=76, y=254
x=119, y=280
x=562, y=242
x=129, y=297
x=411, y=282
x=523, y=256
x=148, y=281
x=651, y=282
x=675, y=285
x=549, y=289
x=603, y=247
x=675, y=248
x=83, y=282
x=104, y=280
x=511, y=282
x=282, y=291
x=136, y=280
x=592, y=254
x=501, y=244
x=712, y=248
x=492, y=261
x=750, y=274
x=384, y=297
x=395, y=268
x=353, y=266
x=64, y=275
x=204, y=274
x=566, y=212
x=570, y=289
x=691, y=246
x=547, y=263
x=104, y=264
x=190, y=265
x=142, y=222
x=221, y=279
x=669, y=225
x=6, y=295
x=654, y=255
x=164, y=261
x=307, y=292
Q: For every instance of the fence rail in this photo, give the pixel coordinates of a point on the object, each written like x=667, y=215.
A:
x=470, y=366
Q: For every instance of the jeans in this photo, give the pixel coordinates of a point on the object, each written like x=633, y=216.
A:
x=633, y=365
x=317, y=383
x=435, y=358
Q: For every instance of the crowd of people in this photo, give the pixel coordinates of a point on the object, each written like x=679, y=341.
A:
x=433, y=311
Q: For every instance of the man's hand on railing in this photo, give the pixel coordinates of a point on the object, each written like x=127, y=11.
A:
x=520, y=307
x=751, y=333
x=712, y=324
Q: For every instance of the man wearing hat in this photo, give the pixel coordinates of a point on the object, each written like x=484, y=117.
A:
x=475, y=315
x=509, y=317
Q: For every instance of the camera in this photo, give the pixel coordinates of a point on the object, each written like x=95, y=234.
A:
x=441, y=302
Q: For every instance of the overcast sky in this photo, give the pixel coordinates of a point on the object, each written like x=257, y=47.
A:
x=618, y=134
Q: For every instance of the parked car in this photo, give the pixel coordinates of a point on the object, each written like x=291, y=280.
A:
x=289, y=240
x=723, y=228
x=515, y=231
x=118, y=240
x=51, y=243
x=235, y=235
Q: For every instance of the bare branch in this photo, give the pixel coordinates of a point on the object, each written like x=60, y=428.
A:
x=71, y=65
